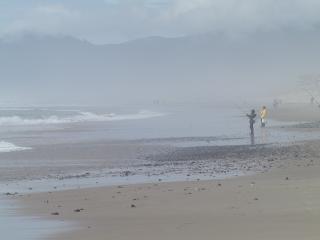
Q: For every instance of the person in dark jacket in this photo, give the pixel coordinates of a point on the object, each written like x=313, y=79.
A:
x=252, y=119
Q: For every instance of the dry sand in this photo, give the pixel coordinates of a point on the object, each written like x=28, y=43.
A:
x=283, y=203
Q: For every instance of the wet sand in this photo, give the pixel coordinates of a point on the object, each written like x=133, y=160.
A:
x=279, y=202
x=124, y=159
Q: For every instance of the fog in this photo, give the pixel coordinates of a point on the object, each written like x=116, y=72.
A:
x=41, y=69
x=112, y=51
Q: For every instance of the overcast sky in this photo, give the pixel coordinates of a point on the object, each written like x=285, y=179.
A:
x=109, y=21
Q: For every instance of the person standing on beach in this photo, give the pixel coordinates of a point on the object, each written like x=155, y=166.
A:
x=252, y=120
x=312, y=100
x=263, y=116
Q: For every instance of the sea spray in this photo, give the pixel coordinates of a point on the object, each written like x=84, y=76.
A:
x=10, y=147
x=77, y=118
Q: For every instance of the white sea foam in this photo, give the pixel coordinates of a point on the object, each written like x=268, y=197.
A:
x=79, y=117
x=10, y=147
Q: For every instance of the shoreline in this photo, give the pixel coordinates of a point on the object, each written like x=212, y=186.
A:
x=174, y=164
x=93, y=207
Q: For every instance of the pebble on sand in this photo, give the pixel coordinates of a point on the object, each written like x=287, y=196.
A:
x=78, y=210
x=11, y=194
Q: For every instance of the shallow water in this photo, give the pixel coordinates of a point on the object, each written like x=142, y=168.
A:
x=16, y=227
x=46, y=185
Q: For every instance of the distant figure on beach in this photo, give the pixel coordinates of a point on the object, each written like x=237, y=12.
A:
x=252, y=120
x=263, y=116
x=312, y=100
x=276, y=103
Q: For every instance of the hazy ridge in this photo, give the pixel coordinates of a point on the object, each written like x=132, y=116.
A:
x=209, y=66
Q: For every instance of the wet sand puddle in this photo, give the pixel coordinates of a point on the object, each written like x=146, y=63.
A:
x=16, y=227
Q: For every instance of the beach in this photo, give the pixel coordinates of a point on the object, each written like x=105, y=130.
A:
x=278, y=201
x=159, y=119
x=74, y=184
x=282, y=203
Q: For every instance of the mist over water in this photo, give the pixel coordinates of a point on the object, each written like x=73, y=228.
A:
x=25, y=128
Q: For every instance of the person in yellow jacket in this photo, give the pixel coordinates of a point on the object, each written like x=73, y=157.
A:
x=263, y=116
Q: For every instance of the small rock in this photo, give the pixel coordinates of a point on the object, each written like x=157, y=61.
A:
x=133, y=206
x=55, y=214
x=11, y=194
x=78, y=210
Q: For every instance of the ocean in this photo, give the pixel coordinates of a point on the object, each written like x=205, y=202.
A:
x=26, y=128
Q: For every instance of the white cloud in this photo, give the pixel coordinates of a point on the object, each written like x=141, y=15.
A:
x=119, y=20
x=245, y=15
x=46, y=19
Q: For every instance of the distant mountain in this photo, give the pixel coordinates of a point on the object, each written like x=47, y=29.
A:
x=208, y=66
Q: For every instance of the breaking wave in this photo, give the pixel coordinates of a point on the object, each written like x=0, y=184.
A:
x=10, y=147
x=80, y=117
